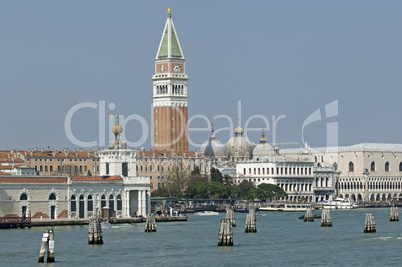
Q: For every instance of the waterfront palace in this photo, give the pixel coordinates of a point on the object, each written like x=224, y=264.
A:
x=48, y=183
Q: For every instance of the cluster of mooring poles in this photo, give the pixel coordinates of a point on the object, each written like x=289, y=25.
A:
x=326, y=218
x=150, y=224
x=230, y=215
x=369, y=224
x=225, y=236
x=309, y=216
x=95, y=231
x=47, y=245
x=251, y=220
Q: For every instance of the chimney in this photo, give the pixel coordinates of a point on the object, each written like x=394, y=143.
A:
x=48, y=148
x=36, y=148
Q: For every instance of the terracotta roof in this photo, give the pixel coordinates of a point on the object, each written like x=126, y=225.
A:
x=6, y=156
x=4, y=173
x=167, y=154
x=33, y=180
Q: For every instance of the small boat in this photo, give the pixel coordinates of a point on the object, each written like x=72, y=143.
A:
x=285, y=207
x=316, y=216
x=339, y=203
x=206, y=213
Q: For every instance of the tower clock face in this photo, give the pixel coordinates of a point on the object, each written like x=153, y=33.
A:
x=178, y=67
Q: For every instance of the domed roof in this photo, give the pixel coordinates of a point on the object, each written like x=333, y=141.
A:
x=213, y=148
x=238, y=145
x=263, y=149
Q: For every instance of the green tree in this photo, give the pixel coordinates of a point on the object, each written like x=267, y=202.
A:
x=160, y=192
x=269, y=191
x=216, y=175
x=177, y=179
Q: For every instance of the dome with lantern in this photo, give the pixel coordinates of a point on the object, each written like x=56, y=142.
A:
x=263, y=149
x=212, y=147
x=238, y=145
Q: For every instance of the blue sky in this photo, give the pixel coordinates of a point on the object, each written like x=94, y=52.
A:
x=277, y=57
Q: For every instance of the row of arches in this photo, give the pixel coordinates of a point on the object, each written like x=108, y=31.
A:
x=372, y=185
x=372, y=197
x=176, y=89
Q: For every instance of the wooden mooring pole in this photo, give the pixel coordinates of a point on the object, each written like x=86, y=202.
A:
x=150, y=224
x=251, y=221
x=230, y=215
x=326, y=220
x=47, y=245
x=369, y=224
x=394, y=213
x=309, y=216
x=95, y=231
x=225, y=235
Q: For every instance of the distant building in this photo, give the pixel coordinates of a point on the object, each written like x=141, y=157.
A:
x=59, y=162
x=300, y=179
x=118, y=189
x=157, y=165
x=367, y=171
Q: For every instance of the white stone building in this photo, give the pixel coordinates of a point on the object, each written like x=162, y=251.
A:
x=366, y=172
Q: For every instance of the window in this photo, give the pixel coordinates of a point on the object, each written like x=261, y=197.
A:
x=372, y=167
x=387, y=166
x=24, y=197
x=107, y=168
x=73, y=203
x=51, y=168
x=119, y=203
x=400, y=167
x=52, y=196
x=90, y=203
x=124, y=169
x=351, y=167
x=45, y=168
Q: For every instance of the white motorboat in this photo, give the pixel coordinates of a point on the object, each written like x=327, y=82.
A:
x=206, y=213
x=339, y=203
x=285, y=207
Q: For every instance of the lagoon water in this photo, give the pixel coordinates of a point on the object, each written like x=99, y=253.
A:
x=282, y=240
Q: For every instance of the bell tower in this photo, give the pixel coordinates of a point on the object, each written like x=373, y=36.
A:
x=170, y=93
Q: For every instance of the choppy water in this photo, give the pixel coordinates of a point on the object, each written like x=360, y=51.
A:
x=282, y=240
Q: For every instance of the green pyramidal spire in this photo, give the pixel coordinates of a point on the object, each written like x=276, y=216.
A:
x=169, y=46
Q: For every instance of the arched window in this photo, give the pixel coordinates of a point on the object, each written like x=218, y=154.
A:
x=73, y=203
x=372, y=168
x=400, y=167
x=90, y=203
x=24, y=196
x=58, y=169
x=45, y=168
x=41, y=168
x=351, y=167
x=51, y=168
x=103, y=201
x=387, y=166
x=52, y=196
